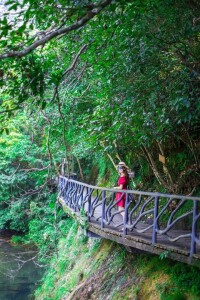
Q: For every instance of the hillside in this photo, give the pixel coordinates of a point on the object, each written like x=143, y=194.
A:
x=87, y=268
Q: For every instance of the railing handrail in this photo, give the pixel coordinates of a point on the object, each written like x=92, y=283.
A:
x=156, y=217
x=183, y=197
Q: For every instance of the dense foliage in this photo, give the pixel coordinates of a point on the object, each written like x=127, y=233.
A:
x=122, y=85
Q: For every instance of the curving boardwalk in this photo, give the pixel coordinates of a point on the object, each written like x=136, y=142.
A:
x=157, y=223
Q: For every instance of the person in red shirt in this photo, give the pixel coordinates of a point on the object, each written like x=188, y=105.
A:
x=123, y=182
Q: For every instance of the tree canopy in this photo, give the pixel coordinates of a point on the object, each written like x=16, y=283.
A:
x=88, y=83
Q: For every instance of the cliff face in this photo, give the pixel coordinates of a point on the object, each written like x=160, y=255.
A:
x=102, y=270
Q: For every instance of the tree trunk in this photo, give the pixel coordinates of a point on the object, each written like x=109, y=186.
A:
x=166, y=171
x=80, y=169
x=155, y=170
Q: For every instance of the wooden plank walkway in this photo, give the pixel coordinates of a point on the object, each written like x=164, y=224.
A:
x=135, y=240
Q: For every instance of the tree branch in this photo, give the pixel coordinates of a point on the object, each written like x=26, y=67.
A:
x=9, y=110
x=71, y=68
x=80, y=23
x=34, y=169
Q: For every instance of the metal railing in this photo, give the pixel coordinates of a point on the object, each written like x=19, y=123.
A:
x=167, y=219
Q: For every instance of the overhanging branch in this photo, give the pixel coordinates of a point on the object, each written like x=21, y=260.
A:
x=41, y=42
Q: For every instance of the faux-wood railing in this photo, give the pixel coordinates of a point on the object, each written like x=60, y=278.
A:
x=168, y=222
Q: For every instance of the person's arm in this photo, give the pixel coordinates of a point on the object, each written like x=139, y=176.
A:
x=122, y=181
x=120, y=187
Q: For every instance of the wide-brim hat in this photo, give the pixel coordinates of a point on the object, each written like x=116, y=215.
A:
x=122, y=164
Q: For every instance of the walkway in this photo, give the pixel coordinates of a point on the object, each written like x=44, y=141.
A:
x=157, y=223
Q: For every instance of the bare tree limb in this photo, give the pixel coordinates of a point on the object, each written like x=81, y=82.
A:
x=34, y=169
x=165, y=169
x=80, y=168
x=155, y=169
x=48, y=141
x=64, y=129
x=70, y=69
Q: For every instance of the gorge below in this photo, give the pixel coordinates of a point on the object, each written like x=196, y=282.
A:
x=19, y=270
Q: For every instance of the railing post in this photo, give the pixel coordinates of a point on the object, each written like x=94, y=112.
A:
x=65, y=185
x=81, y=197
x=84, y=198
x=125, y=215
x=70, y=194
x=75, y=197
x=67, y=193
x=89, y=204
x=59, y=186
x=194, y=228
x=155, y=221
x=103, y=208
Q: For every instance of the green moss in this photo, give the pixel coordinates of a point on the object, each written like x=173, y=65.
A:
x=73, y=256
x=113, y=271
x=174, y=296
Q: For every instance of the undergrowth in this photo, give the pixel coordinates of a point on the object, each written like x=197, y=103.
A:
x=82, y=263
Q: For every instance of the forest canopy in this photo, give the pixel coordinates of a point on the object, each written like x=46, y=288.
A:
x=90, y=83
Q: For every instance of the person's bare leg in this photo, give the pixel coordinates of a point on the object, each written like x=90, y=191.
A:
x=122, y=213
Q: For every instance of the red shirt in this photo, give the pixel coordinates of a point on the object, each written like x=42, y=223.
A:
x=122, y=180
